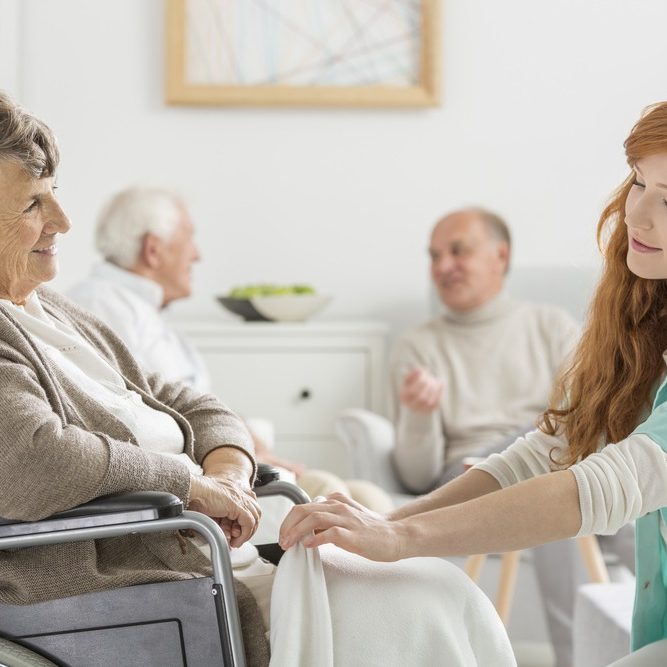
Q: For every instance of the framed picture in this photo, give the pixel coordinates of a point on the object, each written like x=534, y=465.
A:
x=303, y=52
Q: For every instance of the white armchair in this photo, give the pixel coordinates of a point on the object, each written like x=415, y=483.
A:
x=369, y=439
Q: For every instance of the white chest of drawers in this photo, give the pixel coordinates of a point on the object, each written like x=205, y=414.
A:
x=300, y=376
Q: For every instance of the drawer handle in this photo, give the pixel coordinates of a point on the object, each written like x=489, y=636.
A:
x=305, y=394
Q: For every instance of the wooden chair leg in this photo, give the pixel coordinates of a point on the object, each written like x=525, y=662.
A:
x=508, y=573
x=473, y=566
x=593, y=560
x=590, y=551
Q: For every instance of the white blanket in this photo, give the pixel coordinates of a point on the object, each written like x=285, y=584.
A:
x=335, y=609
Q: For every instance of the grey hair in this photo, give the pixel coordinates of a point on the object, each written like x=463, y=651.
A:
x=497, y=228
x=129, y=216
x=26, y=140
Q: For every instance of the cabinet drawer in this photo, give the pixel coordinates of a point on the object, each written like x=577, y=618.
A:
x=302, y=392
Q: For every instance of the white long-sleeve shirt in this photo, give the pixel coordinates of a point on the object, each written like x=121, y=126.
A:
x=132, y=306
x=618, y=484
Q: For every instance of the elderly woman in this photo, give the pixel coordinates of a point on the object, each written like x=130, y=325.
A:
x=80, y=419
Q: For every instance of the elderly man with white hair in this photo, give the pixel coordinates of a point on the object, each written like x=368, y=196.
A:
x=146, y=237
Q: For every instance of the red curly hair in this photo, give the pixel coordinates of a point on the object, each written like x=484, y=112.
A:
x=608, y=387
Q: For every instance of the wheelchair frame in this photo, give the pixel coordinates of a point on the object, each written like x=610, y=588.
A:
x=154, y=512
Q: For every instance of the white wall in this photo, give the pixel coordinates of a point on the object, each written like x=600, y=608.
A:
x=538, y=97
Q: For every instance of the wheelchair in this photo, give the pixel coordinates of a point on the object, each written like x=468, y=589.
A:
x=192, y=623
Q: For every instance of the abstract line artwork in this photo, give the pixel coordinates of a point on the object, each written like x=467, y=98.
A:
x=365, y=52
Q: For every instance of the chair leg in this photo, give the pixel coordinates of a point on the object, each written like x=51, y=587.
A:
x=508, y=573
x=473, y=566
x=593, y=560
x=590, y=551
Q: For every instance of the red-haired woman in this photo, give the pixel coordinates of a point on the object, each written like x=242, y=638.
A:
x=604, y=438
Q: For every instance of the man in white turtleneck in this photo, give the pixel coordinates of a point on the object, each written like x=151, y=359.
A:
x=466, y=382
x=478, y=376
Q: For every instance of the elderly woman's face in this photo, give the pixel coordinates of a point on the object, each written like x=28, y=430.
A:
x=30, y=220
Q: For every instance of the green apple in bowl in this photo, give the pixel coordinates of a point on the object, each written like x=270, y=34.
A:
x=268, y=289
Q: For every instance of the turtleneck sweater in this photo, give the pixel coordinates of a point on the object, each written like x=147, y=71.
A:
x=497, y=364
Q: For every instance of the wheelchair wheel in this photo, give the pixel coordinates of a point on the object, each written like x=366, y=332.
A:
x=15, y=655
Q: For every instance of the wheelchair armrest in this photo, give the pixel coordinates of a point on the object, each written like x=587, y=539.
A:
x=265, y=474
x=105, y=511
x=125, y=508
x=139, y=512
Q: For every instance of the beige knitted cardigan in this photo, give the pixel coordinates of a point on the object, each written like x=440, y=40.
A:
x=59, y=448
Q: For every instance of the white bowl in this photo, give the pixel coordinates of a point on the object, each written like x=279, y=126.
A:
x=289, y=307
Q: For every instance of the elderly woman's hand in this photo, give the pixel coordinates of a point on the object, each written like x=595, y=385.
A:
x=341, y=521
x=231, y=502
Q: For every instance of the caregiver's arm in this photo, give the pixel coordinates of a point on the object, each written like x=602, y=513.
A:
x=527, y=457
x=533, y=512
x=598, y=495
x=472, y=484
x=539, y=510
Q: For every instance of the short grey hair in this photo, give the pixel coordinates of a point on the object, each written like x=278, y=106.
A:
x=26, y=140
x=129, y=216
x=495, y=225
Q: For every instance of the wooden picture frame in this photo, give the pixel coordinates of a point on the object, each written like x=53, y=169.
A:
x=385, y=69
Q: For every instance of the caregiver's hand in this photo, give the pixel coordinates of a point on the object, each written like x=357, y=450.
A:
x=341, y=521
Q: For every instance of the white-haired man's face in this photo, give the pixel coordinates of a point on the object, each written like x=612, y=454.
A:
x=174, y=258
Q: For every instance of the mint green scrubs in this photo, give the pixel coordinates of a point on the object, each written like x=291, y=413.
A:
x=649, y=620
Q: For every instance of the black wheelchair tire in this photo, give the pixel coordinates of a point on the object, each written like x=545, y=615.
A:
x=15, y=655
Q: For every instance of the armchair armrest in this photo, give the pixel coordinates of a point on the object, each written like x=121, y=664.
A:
x=369, y=439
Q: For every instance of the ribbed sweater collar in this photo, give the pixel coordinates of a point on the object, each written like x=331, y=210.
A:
x=490, y=311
